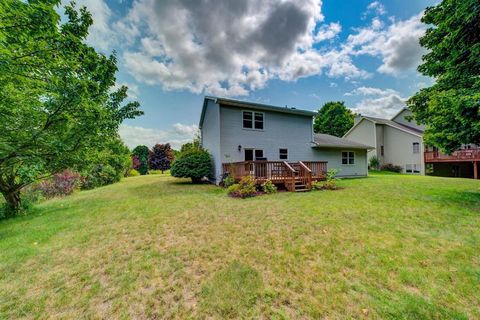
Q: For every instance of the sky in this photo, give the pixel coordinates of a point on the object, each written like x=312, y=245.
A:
x=300, y=53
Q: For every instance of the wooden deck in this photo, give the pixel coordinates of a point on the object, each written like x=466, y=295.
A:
x=464, y=155
x=296, y=176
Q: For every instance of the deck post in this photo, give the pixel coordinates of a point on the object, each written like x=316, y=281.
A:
x=475, y=170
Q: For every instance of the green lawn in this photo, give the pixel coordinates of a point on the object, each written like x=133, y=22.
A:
x=387, y=246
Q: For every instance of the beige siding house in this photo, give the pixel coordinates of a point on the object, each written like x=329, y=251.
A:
x=400, y=142
x=397, y=141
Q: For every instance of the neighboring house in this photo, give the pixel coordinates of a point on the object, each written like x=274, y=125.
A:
x=400, y=142
x=274, y=143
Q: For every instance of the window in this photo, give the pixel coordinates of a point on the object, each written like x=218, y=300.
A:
x=252, y=120
x=283, y=154
x=382, y=151
x=412, y=168
x=259, y=120
x=416, y=147
x=348, y=157
x=253, y=154
x=408, y=168
x=416, y=168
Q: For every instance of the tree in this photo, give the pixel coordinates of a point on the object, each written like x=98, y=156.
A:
x=56, y=99
x=450, y=108
x=191, y=146
x=333, y=118
x=141, y=153
x=194, y=164
x=161, y=157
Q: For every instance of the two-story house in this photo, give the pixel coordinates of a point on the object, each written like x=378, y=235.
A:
x=400, y=141
x=274, y=143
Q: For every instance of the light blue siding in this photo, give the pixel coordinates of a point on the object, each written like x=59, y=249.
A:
x=293, y=132
x=210, y=132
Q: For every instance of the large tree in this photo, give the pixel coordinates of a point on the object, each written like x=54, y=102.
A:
x=140, y=153
x=161, y=157
x=333, y=118
x=56, y=97
x=450, y=108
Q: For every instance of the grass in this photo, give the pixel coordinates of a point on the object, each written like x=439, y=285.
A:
x=388, y=246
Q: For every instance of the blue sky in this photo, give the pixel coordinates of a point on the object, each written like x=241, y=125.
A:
x=299, y=53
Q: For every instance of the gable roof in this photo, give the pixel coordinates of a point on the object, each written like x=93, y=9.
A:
x=326, y=140
x=390, y=123
x=253, y=106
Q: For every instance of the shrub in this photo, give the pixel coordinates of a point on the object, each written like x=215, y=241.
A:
x=330, y=182
x=228, y=181
x=101, y=175
x=374, y=163
x=269, y=187
x=244, y=189
x=194, y=165
x=133, y=173
x=391, y=167
x=157, y=171
x=141, y=153
x=61, y=184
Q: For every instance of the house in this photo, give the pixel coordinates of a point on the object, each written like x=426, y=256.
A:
x=274, y=143
x=400, y=141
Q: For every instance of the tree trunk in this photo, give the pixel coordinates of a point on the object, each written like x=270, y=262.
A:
x=13, y=200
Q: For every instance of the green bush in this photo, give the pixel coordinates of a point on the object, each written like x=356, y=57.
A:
x=195, y=165
x=330, y=182
x=391, y=167
x=244, y=189
x=133, y=173
x=101, y=175
x=268, y=187
x=374, y=163
x=228, y=181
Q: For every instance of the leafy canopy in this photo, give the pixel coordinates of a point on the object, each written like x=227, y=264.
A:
x=161, y=157
x=141, y=153
x=56, y=98
x=450, y=108
x=333, y=118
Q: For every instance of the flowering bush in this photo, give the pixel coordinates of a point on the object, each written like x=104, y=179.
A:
x=61, y=184
x=244, y=189
x=228, y=181
x=269, y=187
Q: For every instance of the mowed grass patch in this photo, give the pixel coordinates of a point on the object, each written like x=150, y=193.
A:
x=387, y=246
x=232, y=292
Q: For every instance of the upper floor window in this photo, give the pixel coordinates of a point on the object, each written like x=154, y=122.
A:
x=253, y=120
x=382, y=151
x=283, y=154
x=348, y=157
x=416, y=147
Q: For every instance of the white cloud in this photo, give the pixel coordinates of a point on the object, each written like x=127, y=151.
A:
x=398, y=45
x=230, y=48
x=327, y=32
x=101, y=35
x=176, y=136
x=375, y=7
x=378, y=102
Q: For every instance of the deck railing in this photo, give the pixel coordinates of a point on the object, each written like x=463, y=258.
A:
x=459, y=155
x=318, y=168
x=278, y=171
